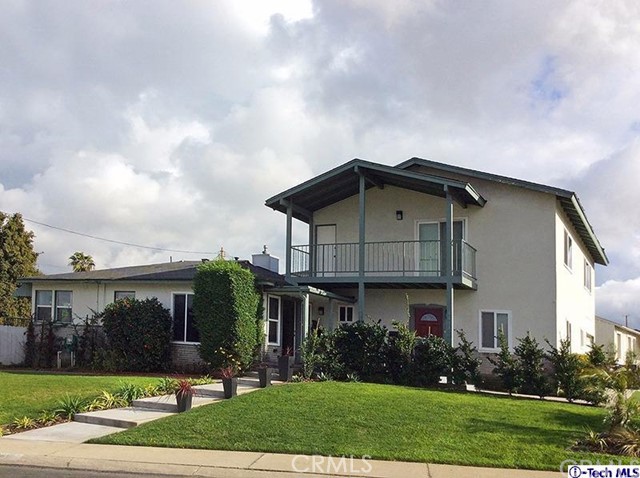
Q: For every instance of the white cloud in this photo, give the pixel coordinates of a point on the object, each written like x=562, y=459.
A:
x=169, y=125
x=617, y=299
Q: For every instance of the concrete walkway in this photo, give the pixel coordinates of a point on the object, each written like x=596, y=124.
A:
x=96, y=424
x=228, y=464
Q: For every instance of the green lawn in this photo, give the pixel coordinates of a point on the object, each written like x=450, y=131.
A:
x=27, y=394
x=383, y=421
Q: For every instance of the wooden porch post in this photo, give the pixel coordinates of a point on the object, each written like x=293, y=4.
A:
x=448, y=268
x=361, y=236
x=288, y=240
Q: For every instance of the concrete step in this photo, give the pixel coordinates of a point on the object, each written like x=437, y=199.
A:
x=121, y=417
x=69, y=432
x=167, y=403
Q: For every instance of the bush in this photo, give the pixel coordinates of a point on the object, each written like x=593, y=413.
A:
x=226, y=306
x=567, y=368
x=530, y=367
x=360, y=348
x=505, y=366
x=311, y=354
x=139, y=334
x=465, y=363
x=400, y=354
x=431, y=360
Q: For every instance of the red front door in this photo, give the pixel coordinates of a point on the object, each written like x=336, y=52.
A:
x=428, y=321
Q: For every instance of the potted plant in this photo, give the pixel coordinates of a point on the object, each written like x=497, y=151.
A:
x=229, y=381
x=264, y=373
x=285, y=362
x=184, y=395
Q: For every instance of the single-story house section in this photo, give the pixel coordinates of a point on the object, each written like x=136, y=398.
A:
x=620, y=338
x=71, y=297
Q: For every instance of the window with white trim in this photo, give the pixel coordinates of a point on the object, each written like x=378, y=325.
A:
x=492, y=322
x=44, y=305
x=569, y=335
x=618, y=346
x=568, y=250
x=184, y=327
x=123, y=294
x=345, y=314
x=64, y=306
x=588, y=274
x=274, y=315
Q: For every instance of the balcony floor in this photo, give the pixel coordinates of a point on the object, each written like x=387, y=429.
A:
x=386, y=282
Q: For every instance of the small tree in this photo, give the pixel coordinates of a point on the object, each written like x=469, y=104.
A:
x=431, y=360
x=360, y=348
x=533, y=379
x=225, y=306
x=506, y=366
x=138, y=334
x=400, y=353
x=465, y=363
x=567, y=369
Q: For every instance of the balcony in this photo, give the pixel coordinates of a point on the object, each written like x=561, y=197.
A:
x=386, y=264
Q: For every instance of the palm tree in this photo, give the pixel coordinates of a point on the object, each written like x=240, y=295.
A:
x=81, y=262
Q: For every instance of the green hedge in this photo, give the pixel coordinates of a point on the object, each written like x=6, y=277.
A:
x=225, y=305
x=138, y=334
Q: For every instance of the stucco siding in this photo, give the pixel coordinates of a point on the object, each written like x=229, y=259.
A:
x=575, y=303
x=514, y=235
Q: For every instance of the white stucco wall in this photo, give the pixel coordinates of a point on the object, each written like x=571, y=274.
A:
x=606, y=334
x=92, y=296
x=575, y=303
x=515, y=235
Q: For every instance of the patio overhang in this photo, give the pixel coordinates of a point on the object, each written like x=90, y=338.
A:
x=343, y=182
x=294, y=290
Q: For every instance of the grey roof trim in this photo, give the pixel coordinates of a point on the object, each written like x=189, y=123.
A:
x=568, y=200
x=294, y=289
x=466, y=192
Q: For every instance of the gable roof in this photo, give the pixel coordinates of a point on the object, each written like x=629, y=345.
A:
x=568, y=200
x=343, y=182
x=618, y=325
x=182, y=271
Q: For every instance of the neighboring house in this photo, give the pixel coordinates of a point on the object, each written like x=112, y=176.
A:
x=70, y=297
x=444, y=248
x=617, y=337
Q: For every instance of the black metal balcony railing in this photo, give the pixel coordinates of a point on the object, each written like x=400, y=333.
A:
x=395, y=258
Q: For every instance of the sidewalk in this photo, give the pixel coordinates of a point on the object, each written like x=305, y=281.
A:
x=228, y=464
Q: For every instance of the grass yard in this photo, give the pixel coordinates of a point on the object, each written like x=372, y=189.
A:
x=27, y=394
x=383, y=421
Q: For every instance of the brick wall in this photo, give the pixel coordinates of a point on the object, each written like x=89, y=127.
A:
x=186, y=357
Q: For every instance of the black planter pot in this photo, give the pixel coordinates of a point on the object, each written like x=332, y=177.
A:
x=184, y=402
x=264, y=374
x=284, y=367
x=230, y=386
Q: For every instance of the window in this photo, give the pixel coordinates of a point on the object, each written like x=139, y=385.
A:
x=587, y=275
x=184, y=329
x=345, y=314
x=568, y=250
x=44, y=304
x=569, y=335
x=64, y=300
x=631, y=345
x=618, y=346
x=492, y=322
x=590, y=339
x=432, y=245
x=123, y=294
x=274, y=313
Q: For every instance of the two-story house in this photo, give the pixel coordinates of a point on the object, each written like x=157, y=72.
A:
x=445, y=248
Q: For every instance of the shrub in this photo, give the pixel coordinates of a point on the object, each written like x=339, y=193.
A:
x=139, y=334
x=226, y=306
x=505, y=366
x=599, y=356
x=360, y=348
x=311, y=354
x=567, y=369
x=400, y=353
x=30, y=347
x=465, y=362
x=91, y=342
x=530, y=367
x=431, y=360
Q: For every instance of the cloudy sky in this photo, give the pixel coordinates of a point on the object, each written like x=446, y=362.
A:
x=167, y=124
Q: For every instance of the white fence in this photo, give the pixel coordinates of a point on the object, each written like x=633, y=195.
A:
x=12, y=341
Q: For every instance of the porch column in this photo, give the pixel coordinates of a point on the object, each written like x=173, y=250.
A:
x=306, y=319
x=312, y=250
x=448, y=268
x=361, y=236
x=288, y=240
